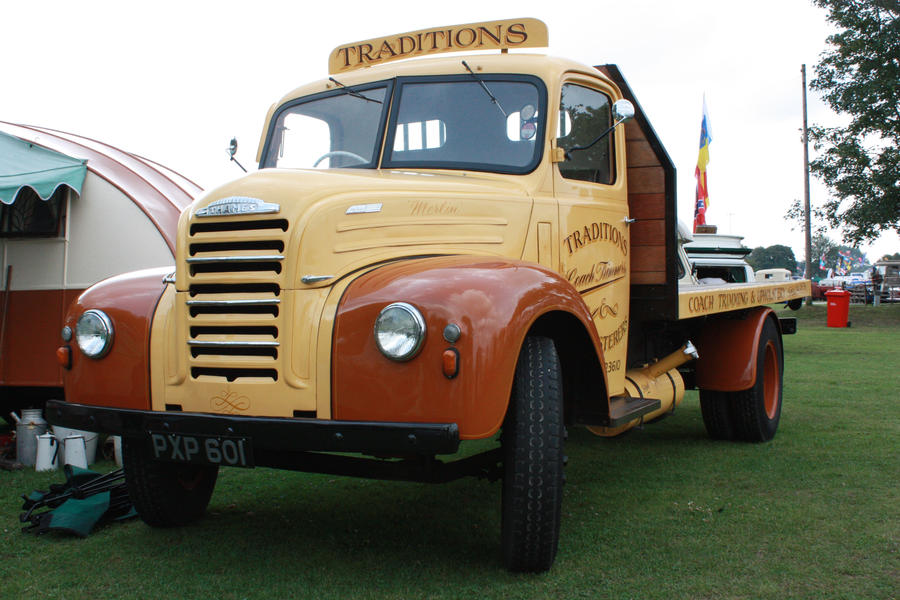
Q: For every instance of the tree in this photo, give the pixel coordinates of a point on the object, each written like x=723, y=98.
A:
x=858, y=77
x=773, y=257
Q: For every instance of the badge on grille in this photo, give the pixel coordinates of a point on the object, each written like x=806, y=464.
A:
x=237, y=205
x=229, y=402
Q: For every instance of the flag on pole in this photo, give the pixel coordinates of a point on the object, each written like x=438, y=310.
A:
x=845, y=262
x=700, y=172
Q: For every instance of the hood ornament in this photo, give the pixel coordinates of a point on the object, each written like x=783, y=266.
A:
x=237, y=205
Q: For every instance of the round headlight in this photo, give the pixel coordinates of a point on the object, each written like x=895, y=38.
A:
x=399, y=331
x=94, y=333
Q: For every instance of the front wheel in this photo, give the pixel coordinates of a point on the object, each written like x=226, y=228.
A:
x=533, y=460
x=166, y=494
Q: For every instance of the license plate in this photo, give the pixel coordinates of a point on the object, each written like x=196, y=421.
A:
x=203, y=449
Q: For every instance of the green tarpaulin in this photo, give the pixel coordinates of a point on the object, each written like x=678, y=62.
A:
x=22, y=164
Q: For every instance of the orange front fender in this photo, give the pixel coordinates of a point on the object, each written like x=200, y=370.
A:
x=121, y=378
x=494, y=301
x=728, y=346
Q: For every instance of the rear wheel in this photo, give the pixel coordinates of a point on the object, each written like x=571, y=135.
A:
x=750, y=415
x=166, y=494
x=533, y=460
x=758, y=410
x=716, y=410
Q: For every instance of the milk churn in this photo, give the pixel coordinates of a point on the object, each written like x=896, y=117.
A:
x=28, y=427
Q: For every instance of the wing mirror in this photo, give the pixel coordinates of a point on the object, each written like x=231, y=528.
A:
x=623, y=111
x=232, y=150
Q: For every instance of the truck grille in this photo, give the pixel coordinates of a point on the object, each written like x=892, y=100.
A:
x=235, y=275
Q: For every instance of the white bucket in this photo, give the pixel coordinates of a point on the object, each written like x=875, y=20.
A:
x=47, y=447
x=90, y=443
x=74, y=451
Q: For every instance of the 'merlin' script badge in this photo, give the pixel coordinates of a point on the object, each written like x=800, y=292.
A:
x=237, y=205
x=492, y=35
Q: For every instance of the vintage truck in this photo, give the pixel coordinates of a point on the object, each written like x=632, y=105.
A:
x=433, y=252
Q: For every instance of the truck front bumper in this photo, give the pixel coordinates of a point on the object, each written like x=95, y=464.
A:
x=268, y=435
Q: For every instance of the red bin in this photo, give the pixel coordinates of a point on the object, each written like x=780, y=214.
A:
x=838, y=307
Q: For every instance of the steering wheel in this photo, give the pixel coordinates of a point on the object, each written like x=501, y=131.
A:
x=340, y=153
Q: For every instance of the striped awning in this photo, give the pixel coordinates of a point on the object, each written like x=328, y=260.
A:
x=24, y=164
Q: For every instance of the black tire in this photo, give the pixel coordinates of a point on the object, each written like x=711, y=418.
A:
x=750, y=415
x=533, y=460
x=716, y=409
x=166, y=494
x=756, y=411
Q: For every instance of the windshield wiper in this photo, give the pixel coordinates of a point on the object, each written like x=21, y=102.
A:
x=353, y=92
x=486, y=90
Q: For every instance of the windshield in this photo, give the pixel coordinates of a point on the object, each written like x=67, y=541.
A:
x=474, y=122
x=340, y=129
x=482, y=123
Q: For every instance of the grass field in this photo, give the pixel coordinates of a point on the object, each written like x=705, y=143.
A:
x=661, y=512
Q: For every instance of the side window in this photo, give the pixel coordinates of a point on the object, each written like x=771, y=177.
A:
x=584, y=115
x=30, y=216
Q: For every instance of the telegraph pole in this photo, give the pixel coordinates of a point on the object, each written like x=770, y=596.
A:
x=808, y=273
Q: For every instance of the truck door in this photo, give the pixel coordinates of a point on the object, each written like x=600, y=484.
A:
x=591, y=190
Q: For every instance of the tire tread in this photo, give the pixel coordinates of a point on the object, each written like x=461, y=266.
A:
x=533, y=446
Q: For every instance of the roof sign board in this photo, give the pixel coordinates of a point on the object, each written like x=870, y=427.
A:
x=490, y=35
x=23, y=164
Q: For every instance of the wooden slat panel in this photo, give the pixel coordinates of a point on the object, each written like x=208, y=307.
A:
x=640, y=153
x=651, y=198
x=633, y=132
x=648, y=258
x=647, y=206
x=648, y=233
x=648, y=278
x=646, y=180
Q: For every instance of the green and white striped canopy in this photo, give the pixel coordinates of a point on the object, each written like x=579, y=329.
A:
x=23, y=164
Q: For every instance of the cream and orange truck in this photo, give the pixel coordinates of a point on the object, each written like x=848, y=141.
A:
x=433, y=252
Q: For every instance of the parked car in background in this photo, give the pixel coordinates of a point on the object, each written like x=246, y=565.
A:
x=773, y=275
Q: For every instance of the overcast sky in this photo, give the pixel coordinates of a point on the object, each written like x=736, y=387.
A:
x=174, y=81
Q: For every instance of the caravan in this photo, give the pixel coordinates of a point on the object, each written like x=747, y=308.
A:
x=74, y=211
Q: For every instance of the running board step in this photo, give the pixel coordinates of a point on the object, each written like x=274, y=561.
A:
x=623, y=409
